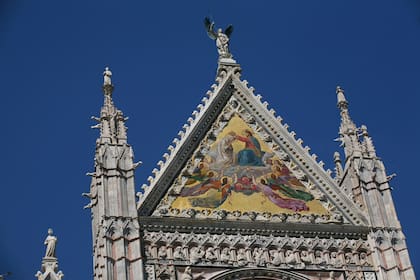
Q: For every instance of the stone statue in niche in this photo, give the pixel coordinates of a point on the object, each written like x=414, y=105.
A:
x=363, y=259
x=188, y=275
x=225, y=256
x=148, y=252
x=349, y=259
x=196, y=254
x=241, y=257
x=335, y=259
x=276, y=257
x=210, y=254
x=259, y=257
x=290, y=257
x=162, y=252
x=305, y=257
x=319, y=260
x=331, y=276
x=178, y=254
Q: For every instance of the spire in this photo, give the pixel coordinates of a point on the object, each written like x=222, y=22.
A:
x=348, y=130
x=112, y=196
x=111, y=121
x=49, y=267
x=342, y=104
x=367, y=183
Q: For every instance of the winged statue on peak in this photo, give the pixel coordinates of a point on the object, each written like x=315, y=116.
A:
x=221, y=37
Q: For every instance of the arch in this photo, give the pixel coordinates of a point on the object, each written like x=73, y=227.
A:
x=258, y=274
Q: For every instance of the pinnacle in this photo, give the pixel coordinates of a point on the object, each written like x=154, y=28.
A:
x=111, y=121
x=341, y=98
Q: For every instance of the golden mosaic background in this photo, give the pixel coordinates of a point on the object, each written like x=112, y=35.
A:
x=269, y=186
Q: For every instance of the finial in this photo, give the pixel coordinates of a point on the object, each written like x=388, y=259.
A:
x=363, y=128
x=50, y=242
x=337, y=157
x=341, y=99
x=338, y=168
x=107, y=76
x=368, y=143
x=222, y=40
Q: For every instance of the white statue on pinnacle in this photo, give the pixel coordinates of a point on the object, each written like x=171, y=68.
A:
x=107, y=76
x=50, y=241
x=221, y=37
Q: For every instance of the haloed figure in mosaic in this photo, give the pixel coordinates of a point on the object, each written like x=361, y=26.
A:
x=223, y=154
x=252, y=154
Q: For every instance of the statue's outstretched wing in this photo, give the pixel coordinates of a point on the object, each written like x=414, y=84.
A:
x=210, y=28
x=229, y=30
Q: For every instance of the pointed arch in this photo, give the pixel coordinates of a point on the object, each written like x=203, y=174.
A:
x=258, y=274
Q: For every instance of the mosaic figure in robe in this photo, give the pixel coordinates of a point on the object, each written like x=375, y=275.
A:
x=282, y=180
x=222, y=155
x=222, y=186
x=287, y=203
x=252, y=154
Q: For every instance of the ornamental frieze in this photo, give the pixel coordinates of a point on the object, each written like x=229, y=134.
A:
x=255, y=251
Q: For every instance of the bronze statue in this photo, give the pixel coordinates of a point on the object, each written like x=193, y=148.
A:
x=221, y=37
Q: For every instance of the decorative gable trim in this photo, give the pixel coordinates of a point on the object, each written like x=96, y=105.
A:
x=256, y=113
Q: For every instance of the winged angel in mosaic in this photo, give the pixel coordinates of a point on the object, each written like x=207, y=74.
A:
x=221, y=37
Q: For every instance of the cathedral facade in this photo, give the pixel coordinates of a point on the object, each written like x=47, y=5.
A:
x=238, y=196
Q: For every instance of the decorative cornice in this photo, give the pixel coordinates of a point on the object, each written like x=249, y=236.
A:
x=173, y=224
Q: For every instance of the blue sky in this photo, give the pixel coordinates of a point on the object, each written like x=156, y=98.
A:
x=52, y=55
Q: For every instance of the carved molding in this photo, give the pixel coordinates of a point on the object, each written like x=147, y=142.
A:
x=174, y=224
x=256, y=251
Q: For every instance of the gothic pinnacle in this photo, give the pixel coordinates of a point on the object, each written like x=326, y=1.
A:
x=111, y=120
x=342, y=104
x=347, y=130
x=367, y=142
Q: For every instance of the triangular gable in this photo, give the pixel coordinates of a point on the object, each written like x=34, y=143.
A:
x=235, y=160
